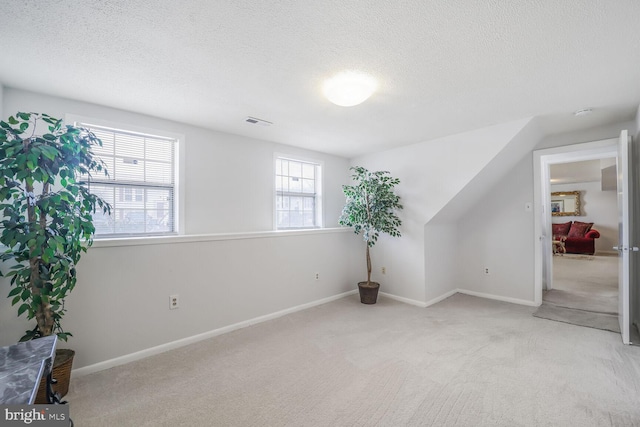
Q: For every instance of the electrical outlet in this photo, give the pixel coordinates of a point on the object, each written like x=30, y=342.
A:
x=317, y=276
x=174, y=302
x=486, y=271
x=384, y=270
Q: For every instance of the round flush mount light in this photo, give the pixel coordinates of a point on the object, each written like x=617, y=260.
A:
x=583, y=112
x=349, y=88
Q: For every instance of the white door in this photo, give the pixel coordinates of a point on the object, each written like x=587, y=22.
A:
x=623, y=247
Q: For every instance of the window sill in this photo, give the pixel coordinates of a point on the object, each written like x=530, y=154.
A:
x=190, y=238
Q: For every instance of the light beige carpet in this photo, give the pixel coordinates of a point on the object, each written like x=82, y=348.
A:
x=585, y=292
x=585, y=282
x=463, y=362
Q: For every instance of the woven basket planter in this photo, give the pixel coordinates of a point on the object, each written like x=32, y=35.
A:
x=368, y=294
x=61, y=373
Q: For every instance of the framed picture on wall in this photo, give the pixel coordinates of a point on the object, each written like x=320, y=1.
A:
x=557, y=206
x=566, y=203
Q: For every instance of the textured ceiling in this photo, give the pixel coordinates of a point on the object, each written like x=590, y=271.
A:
x=444, y=67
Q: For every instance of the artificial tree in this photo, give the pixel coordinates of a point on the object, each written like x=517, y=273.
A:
x=47, y=208
x=370, y=208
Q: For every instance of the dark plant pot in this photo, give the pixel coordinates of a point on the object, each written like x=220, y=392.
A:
x=368, y=293
x=61, y=372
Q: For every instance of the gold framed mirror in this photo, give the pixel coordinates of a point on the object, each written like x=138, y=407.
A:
x=565, y=203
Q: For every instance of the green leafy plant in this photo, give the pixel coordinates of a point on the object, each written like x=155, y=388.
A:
x=371, y=207
x=47, y=209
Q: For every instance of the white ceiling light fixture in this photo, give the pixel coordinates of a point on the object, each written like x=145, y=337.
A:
x=349, y=88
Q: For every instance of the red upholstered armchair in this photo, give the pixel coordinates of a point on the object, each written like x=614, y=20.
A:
x=579, y=237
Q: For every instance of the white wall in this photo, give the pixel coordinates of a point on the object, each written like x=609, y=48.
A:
x=470, y=261
x=431, y=174
x=220, y=282
x=120, y=304
x=597, y=206
x=442, y=244
x=587, y=135
x=497, y=233
x=230, y=177
x=490, y=239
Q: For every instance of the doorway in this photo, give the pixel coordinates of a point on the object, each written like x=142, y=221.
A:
x=566, y=281
x=584, y=270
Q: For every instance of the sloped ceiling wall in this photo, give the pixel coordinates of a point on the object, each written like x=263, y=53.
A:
x=497, y=232
x=444, y=240
x=432, y=173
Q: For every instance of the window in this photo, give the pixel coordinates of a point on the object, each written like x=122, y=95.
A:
x=141, y=184
x=298, y=194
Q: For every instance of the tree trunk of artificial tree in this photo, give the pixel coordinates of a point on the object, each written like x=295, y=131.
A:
x=368, y=266
x=44, y=315
x=368, y=290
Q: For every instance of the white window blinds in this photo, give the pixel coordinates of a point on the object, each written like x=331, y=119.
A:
x=141, y=184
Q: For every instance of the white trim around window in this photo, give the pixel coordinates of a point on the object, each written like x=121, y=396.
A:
x=177, y=186
x=297, y=192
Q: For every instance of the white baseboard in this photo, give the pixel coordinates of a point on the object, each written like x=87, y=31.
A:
x=455, y=291
x=498, y=298
x=404, y=300
x=441, y=298
x=420, y=303
x=127, y=358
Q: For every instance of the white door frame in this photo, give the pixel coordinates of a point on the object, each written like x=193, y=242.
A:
x=624, y=240
x=542, y=159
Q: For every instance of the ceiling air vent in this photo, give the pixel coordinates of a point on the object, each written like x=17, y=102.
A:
x=255, y=121
x=583, y=112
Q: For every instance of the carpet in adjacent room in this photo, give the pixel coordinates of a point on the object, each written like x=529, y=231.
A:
x=589, y=319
